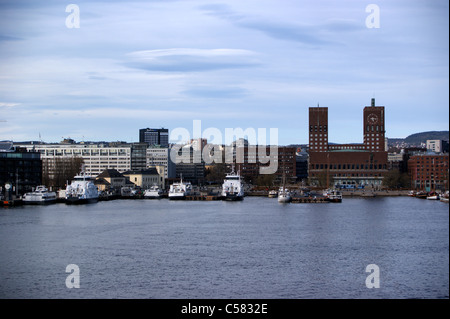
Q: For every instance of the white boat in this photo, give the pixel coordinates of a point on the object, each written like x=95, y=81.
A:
x=41, y=195
x=333, y=195
x=232, y=188
x=153, y=192
x=433, y=196
x=273, y=194
x=284, y=195
x=82, y=190
x=180, y=190
x=444, y=197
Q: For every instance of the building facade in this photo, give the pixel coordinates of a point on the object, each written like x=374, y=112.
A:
x=348, y=164
x=154, y=136
x=429, y=171
x=160, y=156
x=437, y=146
x=146, y=178
x=250, y=160
x=20, y=168
x=96, y=157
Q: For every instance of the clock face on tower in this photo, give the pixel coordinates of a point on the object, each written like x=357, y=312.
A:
x=372, y=118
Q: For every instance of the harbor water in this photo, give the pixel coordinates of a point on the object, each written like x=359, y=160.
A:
x=256, y=248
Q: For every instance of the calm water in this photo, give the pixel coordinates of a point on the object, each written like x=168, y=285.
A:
x=251, y=249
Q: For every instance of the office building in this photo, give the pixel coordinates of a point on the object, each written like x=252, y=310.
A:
x=96, y=157
x=249, y=162
x=154, y=136
x=20, y=168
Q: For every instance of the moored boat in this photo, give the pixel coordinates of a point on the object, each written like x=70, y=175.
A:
x=180, y=190
x=421, y=194
x=433, y=196
x=232, y=188
x=444, y=197
x=82, y=190
x=41, y=195
x=153, y=192
x=333, y=195
x=284, y=194
x=273, y=194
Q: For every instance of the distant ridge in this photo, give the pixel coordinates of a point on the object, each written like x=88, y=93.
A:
x=418, y=138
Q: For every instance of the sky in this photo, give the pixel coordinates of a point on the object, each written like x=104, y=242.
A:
x=250, y=64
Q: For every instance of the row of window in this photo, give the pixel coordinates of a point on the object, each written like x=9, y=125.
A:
x=374, y=128
x=351, y=175
x=317, y=128
x=348, y=166
x=324, y=148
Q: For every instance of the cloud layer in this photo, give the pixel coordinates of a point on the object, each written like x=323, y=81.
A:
x=253, y=63
x=191, y=59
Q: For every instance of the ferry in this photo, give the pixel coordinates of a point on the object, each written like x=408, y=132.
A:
x=153, y=192
x=82, y=190
x=180, y=190
x=41, y=195
x=232, y=188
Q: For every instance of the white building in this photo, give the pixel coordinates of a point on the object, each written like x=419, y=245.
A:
x=434, y=146
x=160, y=156
x=97, y=157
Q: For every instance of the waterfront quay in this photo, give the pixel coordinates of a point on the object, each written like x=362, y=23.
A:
x=213, y=194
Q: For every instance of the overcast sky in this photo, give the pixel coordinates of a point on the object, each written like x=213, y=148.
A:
x=229, y=63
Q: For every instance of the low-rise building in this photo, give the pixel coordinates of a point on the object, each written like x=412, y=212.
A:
x=113, y=177
x=146, y=178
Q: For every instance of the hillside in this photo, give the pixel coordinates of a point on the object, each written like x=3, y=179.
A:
x=418, y=138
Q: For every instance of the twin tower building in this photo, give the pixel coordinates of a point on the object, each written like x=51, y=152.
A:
x=348, y=164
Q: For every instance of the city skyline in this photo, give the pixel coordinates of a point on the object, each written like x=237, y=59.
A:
x=250, y=64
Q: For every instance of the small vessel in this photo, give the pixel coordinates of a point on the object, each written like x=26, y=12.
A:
x=421, y=194
x=273, y=194
x=412, y=194
x=433, y=196
x=284, y=195
x=153, y=192
x=82, y=190
x=126, y=192
x=232, y=188
x=333, y=196
x=41, y=195
x=444, y=197
x=180, y=190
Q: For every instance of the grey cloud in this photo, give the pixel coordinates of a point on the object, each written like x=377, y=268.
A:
x=191, y=60
x=214, y=92
x=306, y=34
